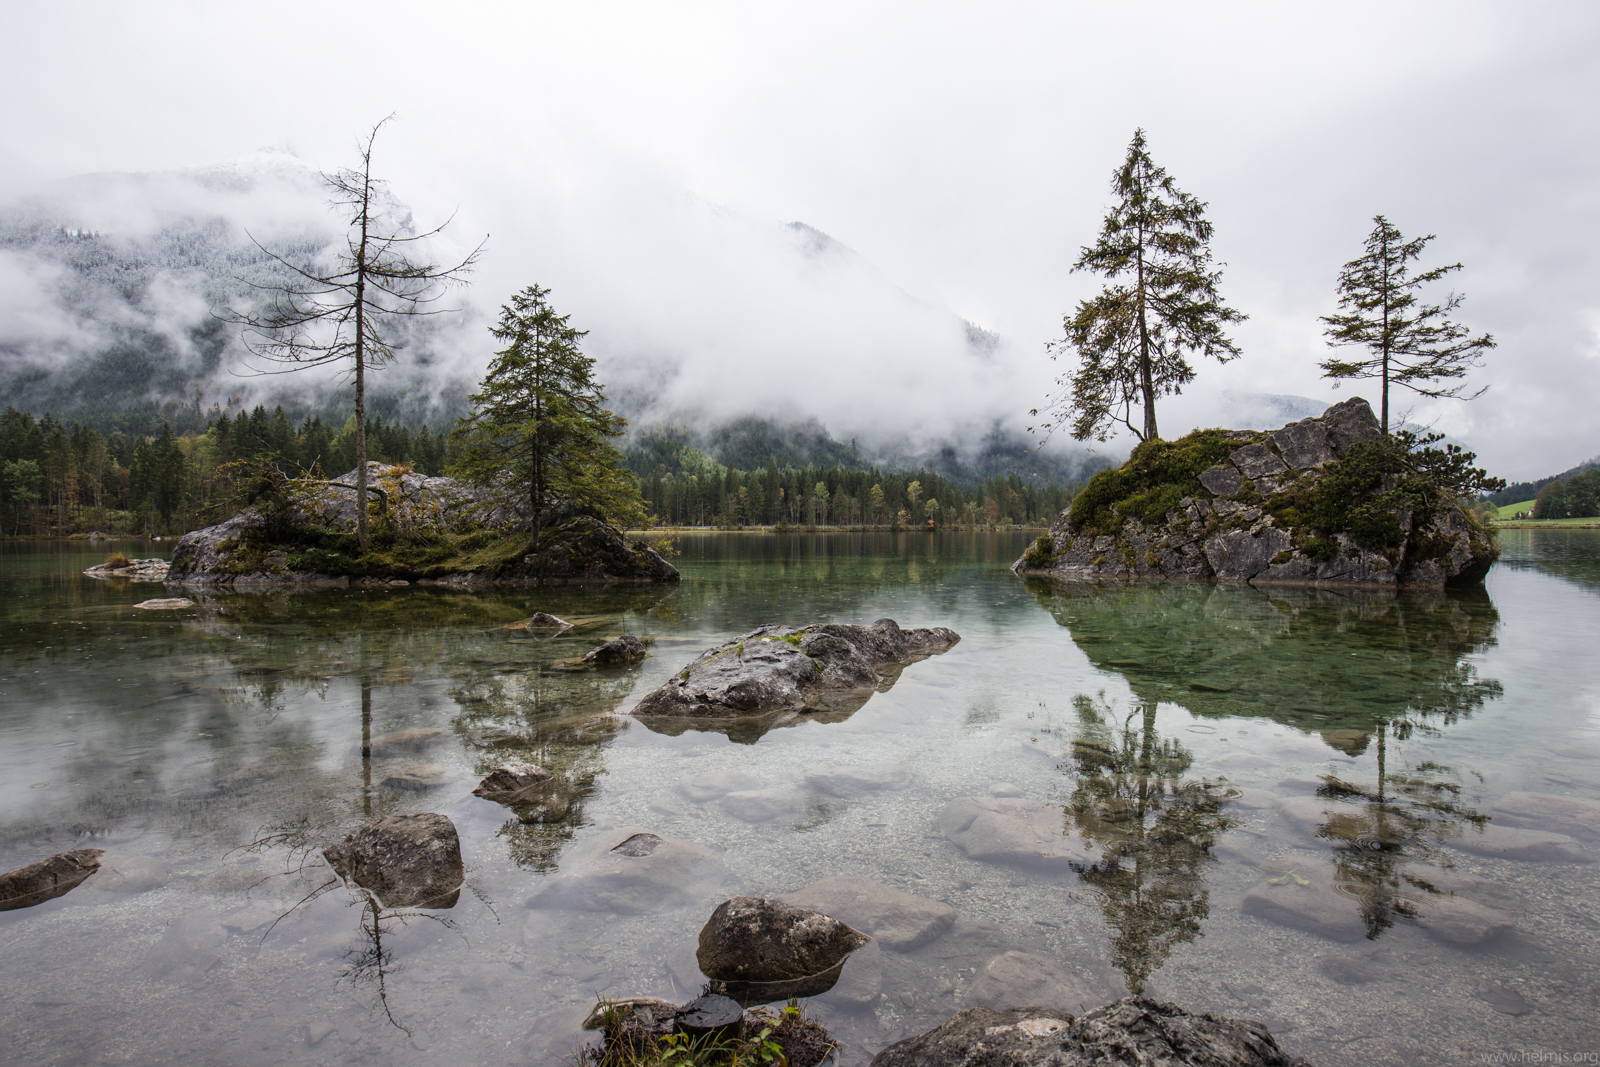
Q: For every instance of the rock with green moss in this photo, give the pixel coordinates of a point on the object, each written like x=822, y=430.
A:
x=423, y=529
x=1326, y=500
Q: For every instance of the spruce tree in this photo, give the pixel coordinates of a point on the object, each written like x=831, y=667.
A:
x=1411, y=344
x=538, y=431
x=1132, y=339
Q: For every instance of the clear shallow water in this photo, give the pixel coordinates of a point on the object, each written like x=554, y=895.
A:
x=175, y=740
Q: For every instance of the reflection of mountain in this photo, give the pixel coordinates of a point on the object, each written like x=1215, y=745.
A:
x=1131, y=798
x=1339, y=662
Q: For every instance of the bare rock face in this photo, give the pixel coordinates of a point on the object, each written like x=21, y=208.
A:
x=766, y=950
x=406, y=861
x=618, y=652
x=47, y=879
x=1132, y=1032
x=631, y=870
x=1242, y=524
x=896, y=919
x=778, y=668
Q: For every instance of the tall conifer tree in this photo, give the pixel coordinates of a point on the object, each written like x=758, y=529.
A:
x=1132, y=339
x=1412, y=345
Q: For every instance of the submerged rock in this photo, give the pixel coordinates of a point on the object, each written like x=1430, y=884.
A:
x=777, y=668
x=713, y=785
x=48, y=878
x=1132, y=1032
x=896, y=919
x=417, y=777
x=402, y=741
x=851, y=781
x=1573, y=816
x=407, y=861
x=1019, y=979
x=1511, y=843
x=1321, y=899
x=766, y=950
x=165, y=604
x=631, y=870
x=618, y=652
x=1030, y=833
x=1244, y=518
x=510, y=781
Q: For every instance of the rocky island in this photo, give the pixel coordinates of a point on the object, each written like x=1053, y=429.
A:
x=1327, y=500
x=428, y=529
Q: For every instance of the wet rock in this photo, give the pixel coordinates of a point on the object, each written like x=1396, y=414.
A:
x=544, y=621
x=1029, y=833
x=1573, y=816
x=777, y=668
x=1319, y=898
x=510, y=780
x=701, y=788
x=129, y=874
x=898, y=920
x=401, y=742
x=1510, y=843
x=1019, y=979
x=712, y=1016
x=756, y=805
x=48, y=878
x=618, y=652
x=841, y=781
x=612, y=1012
x=1338, y=820
x=1459, y=920
x=1134, y=1032
x=407, y=861
x=138, y=570
x=766, y=950
x=416, y=777
x=631, y=870
x=165, y=604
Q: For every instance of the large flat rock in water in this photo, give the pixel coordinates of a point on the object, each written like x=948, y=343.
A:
x=778, y=668
x=1573, y=816
x=897, y=919
x=631, y=870
x=1019, y=979
x=1029, y=833
x=1133, y=1031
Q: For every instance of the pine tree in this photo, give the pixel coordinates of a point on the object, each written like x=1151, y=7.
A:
x=1412, y=345
x=1132, y=338
x=538, y=430
x=348, y=312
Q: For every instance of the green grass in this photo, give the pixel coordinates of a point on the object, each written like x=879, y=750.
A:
x=1510, y=510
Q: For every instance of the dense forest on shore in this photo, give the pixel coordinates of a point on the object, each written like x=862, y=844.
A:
x=59, y=478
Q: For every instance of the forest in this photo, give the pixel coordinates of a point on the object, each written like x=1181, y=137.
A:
x=59, y=478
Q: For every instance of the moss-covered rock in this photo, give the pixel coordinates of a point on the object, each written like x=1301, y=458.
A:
x=1323, y=500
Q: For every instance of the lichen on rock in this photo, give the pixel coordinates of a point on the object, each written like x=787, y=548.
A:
x=1327, y=500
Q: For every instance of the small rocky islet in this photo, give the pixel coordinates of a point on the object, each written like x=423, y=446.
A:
x=1247, y=506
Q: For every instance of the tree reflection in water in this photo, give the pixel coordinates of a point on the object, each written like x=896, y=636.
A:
x=369, y=963
x=1156, y=828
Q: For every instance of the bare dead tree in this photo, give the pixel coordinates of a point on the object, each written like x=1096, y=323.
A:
x=347, y=311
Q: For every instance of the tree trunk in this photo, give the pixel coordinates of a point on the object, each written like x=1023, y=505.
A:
x=1146, y=385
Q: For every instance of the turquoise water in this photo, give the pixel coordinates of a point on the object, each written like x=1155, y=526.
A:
x=211, y=752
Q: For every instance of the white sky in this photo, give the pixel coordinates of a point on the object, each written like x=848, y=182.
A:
x=617, y=153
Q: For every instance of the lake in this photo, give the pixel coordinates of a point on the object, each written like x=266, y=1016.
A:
x=1292, y=794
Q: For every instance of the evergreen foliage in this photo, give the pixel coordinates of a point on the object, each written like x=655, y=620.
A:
x=1412, y=344
x=539, y=433
x=1133, y=337
x=1576, y=498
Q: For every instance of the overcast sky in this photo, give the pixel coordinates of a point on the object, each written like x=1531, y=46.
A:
x=634, y=158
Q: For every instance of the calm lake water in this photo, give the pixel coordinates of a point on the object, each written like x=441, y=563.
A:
x=211, y=751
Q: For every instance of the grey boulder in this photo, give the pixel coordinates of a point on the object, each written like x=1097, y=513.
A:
x=618, y=652
x=1132, y=1032
x=766, y=950
x=405, y=861
x=777, y=668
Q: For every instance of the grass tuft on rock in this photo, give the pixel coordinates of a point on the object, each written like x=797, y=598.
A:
x=773, y=1037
